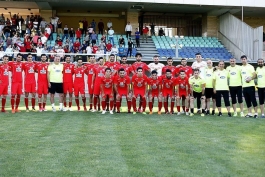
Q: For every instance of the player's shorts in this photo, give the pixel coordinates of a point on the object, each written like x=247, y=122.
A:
x=30, y=88
x=197, y=95
x=139, y=93
x=154, y=94
x=261, y=93
x=122, y=92
x=43, y=88
x=3, y=89
x=108, y=94
x=182, y=94
x=56, y=87
x=79, y=88
x=90, y=89
x=96, y=90
x=209, y=93
x=67, y=87
x=167, y=93
x=16, y=88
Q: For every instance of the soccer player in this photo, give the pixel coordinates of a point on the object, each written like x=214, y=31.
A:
x=42, y=70
x=125, y=66
x=169, y=66
x=235, y=86
x=197, y=90
x=168, y=91
x=209, y=94
x=199, y=64
x=139, y=88
x=99, y=72
x=79, y=84
x=4, y=81
x=260, y=71
x=90, y=72
x=122, y=88
x=16, y=82
x=140, y=64
x=184, y=67
x=182, y=92
x=112, y=64
x=29, y=82
x=220, y=88
x=156, y=65
x=248, y=75
x=68, y=71
x=106, y=87
x=154, y=91
x=55, y=81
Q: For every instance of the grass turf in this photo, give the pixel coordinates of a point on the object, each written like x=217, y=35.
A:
x=91, y=144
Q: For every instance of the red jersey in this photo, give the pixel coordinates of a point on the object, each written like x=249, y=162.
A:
x=168, y=83
x=139, y=83
x=16, y=70
x=172, y=68
x=99, y=71
x=155, y=84
x=94, y=49
x=114, y=66
x=29, y=72
x=107, y=84
x=42, y=70
x=78, y=33
x=90, y=71
x=4, y=74
x=143, y=65
x=183, y=84
x=79, y=73
x=188, y=70
x=68, y=71
x=108, y=47
x=122, y=83
x=127, y=68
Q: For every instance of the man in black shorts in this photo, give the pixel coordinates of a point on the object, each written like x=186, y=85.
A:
x=55, y=80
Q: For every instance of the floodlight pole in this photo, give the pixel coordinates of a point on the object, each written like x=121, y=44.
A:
x=177, y=47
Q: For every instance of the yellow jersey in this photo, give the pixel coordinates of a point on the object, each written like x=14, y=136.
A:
x=234, y=75
x=261, y=77
x=56, y=73
x=209, y=77
x=247, y=72
x=196, y=84
x=221, y=79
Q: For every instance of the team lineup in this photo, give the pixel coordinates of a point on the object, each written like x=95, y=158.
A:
x=108, y=82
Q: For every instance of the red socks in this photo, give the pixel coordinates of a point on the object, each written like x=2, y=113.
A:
x=26, y=102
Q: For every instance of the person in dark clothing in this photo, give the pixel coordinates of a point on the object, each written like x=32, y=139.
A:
x=100, y=27
x=152, y=29
x=161, y=32
x=137, y=37
x=121, y=40
x=130, y=46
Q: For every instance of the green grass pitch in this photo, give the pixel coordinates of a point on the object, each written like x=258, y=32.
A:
x=78, y=144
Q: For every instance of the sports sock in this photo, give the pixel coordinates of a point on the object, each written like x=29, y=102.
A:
x=70, y=104
x=129, y=105
x=13, y=101
x=3, y=103
x=26, y=102
x=150, y=106
x=111, y=104
x=17, y=101
x=43, y=105
x=166, y=106
x=160, y=105
x=144, y=104
x=118, y=105
x=103, y=103
x=33, y=100
x=172, y=106
x=64, y=103
x=178, y=108
x=192, y=110
x=39, y=105
x=77, y=102
x=95, y=102
x=84, y=101
x=134, y=105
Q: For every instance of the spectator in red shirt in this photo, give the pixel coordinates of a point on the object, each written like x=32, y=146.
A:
x=145, y=32
x=59, y=41
x=95, y=48
x=78, y=33
x=108, y=50
x=76, y=44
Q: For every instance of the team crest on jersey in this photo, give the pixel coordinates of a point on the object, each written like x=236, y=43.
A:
x=68, y=70
x=222, y=77
x=78, y=74
x=91, y=71
x=107, y=85
x=233, y=73
x=243, y=72
x=259, y=76
x=139, y=84
x=100, y=74
x=182, y=86
x=43, y=71
x=31, y=70
x=6, y=72
x=195, y=85
x=154, y=86
x=208, y=75
x=167, y=85
x=18, y=69
x=122, y=84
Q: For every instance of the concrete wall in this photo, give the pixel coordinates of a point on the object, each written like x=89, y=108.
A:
x=209, y=26
x=255, y=21
x=132, y=17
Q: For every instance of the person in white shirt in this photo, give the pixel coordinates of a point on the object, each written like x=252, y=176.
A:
x=128, y=30
x=60, y=52
x=54, y=21
x=2, y=53
x=43, y=39
x=199, y=64
x=114, y=50
x=109, y=24
x=39, y=52
x=9, y=52
x=111, y=33
x=156, y=66
x=89, y=49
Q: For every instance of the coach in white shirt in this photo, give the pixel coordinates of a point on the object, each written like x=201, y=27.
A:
x=199, y=64
x=156, y=65
x=128, y=30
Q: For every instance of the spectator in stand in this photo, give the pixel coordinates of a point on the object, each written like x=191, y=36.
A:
x=46, y=34
x=89, y=49
x=114, y=50
x=95, y=49
x=78, y=34
x=66, y=49
x=14, y=39
x=60, y=52
x=2, y=52
x=65, y=32
x=93, y=38
x=76, y=44
x=81, y=26
x=85, y=25
x=121, y=40
x=35, y=39
x=28, y=31
x=130, y=47
x=90, y=30
x=23, y=29
x=111, y=33
x=51, y=29
x=121, y=50
x=43, y=39
x=2, y=19
x=39, y=42
x=48, y=29
x=128, y=30
x=60, y=27
x=54, y=22
x=9, y=41
x=51, y=55
x=39, y=52
x=87, y=38
x=2, y=25
x=7, y=31
x=14, y=20
x=43, y=24
x=108, y=50
x=161, y=32
x=102, y=46
x=9, y=52
x=103, y=38
x=27, y=44
x=84, y=57
x=83, y=46
x=72, y=34
x=100, y=27
x=93, y=24
x=109, y=24
x=35, y=24
x=45, y=50
x=68, y=43
x=145, y=32
x=59, y=41
x=152, y=26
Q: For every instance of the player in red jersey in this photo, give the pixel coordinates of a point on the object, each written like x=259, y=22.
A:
x=4, y=81
x=168, y=84
x=182, y=92
x=90, y=72
x=122, y=88
x=68, y=71
x=169, y=66
x=29, y=82
x=79, y=84
x=183, y=67
x=125, y=66
x=139, y=88
x=99, y=72
x=106, y=87
x=155, y=91
x=16, y=82
x=42, y=70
